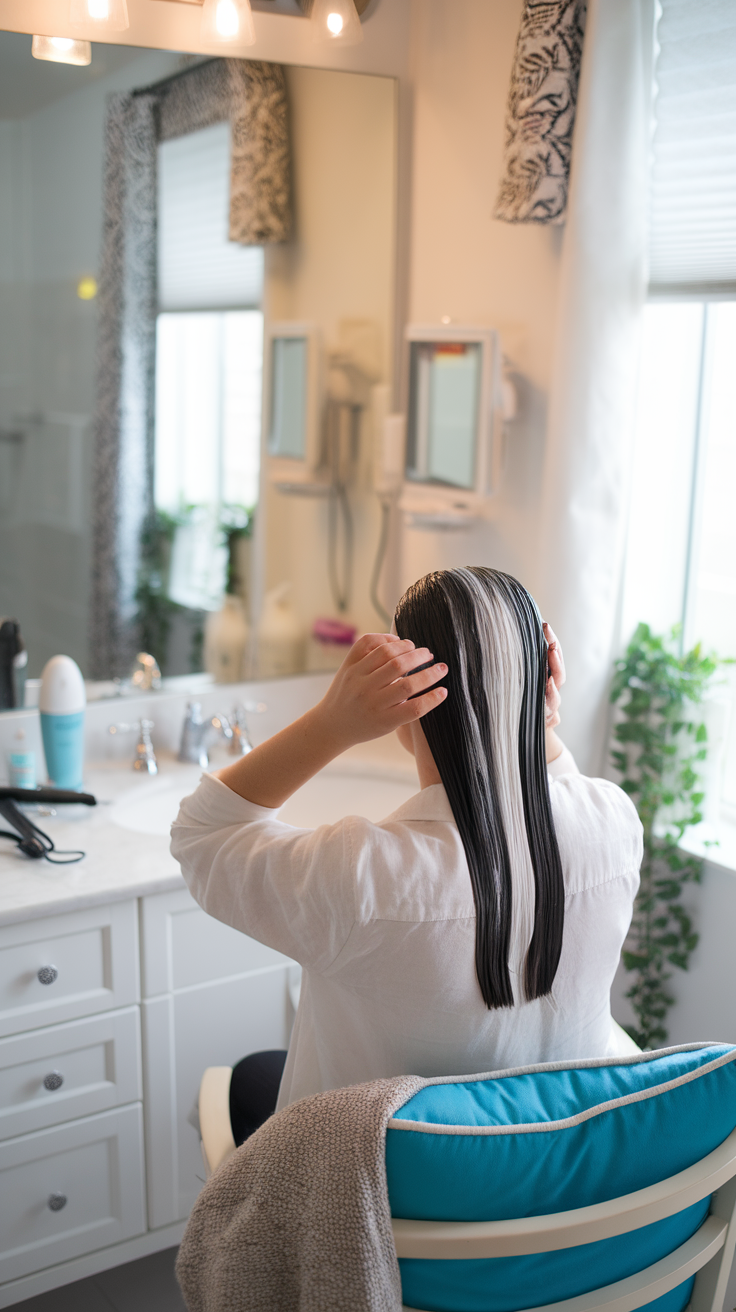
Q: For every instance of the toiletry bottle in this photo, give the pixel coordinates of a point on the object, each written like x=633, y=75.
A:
x=22, y=772
x=13, y=661
x=225, y=641
x=62, y=702
x=281, y=638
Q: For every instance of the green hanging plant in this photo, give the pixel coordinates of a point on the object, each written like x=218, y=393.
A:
x=155, y=607
x=661, y=746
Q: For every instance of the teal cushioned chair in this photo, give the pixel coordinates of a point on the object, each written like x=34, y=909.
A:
x=599, y=1186
x=602, y=1184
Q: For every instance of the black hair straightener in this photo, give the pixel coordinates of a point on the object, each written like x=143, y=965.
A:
x=31, y=840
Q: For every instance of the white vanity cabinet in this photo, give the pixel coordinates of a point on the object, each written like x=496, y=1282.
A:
x=108, y=1017
x=71, y=1123
x=210, y=996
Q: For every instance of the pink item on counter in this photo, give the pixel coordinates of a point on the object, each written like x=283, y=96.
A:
x=327, y=630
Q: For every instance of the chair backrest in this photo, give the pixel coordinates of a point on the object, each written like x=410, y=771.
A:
x=558, y=1181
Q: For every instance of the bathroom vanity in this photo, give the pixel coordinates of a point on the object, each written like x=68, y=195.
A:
x=116, y=991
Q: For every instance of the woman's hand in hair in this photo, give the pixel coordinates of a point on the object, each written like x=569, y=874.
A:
x=555, y=659
x=384, y=682
x=377, y=688
x=555, y=681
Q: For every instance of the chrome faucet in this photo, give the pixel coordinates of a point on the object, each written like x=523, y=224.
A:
x=196, y=735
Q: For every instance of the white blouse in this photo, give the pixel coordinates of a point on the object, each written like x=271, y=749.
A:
x=381, y=917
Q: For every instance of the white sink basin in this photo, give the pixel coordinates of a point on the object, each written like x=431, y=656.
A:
x=152, y=807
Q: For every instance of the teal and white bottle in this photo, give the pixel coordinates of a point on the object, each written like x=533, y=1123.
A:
x=62, y=702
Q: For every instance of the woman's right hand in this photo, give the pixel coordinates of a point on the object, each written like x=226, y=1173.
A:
x=376, y=689
x=556, y=664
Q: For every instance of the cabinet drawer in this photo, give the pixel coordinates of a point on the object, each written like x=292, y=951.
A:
x=70, y=1190
x=182, y=946
x=76, y=1069
x=62, y=967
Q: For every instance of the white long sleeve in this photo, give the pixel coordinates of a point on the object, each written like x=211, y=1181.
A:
x=383, y=920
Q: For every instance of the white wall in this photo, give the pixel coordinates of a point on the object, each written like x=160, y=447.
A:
x=467, y=265
x=455, y=259
x=339, y=265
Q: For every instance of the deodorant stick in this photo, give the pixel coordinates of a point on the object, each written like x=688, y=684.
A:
x=61, y=703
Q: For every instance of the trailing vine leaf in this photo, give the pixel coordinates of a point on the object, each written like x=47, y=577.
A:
x=660, y=744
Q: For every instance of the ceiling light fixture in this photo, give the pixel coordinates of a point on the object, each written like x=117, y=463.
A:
x=336, y=22
x=110, y=15
x=227, y=22
x=61, y=50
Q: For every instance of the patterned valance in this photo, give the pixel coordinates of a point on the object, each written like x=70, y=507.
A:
x=252, y=95
x=541, y=112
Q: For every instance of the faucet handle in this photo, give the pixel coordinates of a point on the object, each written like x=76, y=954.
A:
x=144, y=761
x=241, y=741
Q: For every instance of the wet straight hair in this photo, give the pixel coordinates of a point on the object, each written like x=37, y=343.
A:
x=487, y=739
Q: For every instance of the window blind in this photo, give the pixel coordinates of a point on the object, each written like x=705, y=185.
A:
x=198, y=268
x=693, y=190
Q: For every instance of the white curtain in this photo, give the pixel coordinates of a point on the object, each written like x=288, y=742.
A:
x=603, y=283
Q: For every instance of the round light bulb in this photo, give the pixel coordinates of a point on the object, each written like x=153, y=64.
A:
x=335, y=22
x=99, y=10
x=226, y=19
x=61, y=42
x=87, y=288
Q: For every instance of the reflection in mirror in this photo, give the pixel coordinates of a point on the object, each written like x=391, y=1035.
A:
x=130, y=490
x=288, y=427
x=444, y=398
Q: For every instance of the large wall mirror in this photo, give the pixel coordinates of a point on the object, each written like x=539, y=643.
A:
x=144, y=428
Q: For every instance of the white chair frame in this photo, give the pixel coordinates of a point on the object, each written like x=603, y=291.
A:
x=707, y=1255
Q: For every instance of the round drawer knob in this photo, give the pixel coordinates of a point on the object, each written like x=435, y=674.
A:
x=53, y=1081
x=47, y=974
x=56, y=1202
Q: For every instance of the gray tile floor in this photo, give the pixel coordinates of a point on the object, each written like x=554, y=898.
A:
x=148, y=1285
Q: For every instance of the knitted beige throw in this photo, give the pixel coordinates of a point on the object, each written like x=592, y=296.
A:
x=298, y=1219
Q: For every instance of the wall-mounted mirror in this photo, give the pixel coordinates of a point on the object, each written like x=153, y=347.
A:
x=453, y=434
x=293, y=399
x=198, y=342
x=444, y=397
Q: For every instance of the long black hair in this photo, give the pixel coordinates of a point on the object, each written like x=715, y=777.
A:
x=487, y=740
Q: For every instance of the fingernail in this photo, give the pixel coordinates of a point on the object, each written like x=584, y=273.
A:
x=442, y=666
